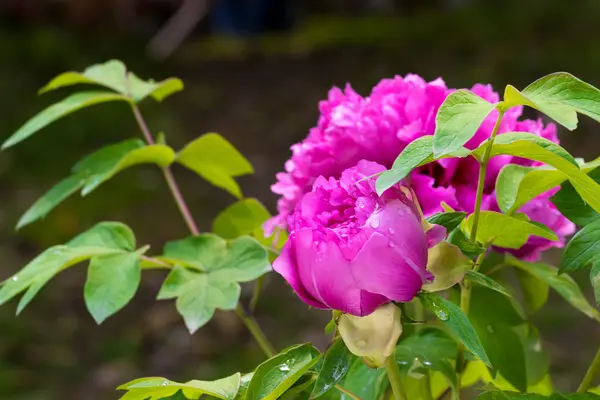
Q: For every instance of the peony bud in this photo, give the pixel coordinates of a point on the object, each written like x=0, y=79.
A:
x=372, y=337
x=448, y=266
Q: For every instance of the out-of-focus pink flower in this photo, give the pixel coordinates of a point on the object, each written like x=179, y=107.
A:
x=378, y=127
x=351, y=250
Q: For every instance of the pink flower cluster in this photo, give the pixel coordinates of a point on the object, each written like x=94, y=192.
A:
x=376, y=128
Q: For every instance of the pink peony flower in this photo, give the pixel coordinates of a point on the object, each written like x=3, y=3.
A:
x=378, y=127
x=353, y=251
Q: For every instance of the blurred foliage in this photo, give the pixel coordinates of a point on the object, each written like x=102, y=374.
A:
x=262, y=95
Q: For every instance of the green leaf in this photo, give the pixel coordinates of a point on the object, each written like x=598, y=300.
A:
x=535, y=290
x=111, y=235
x=506, y=309
x=111, y=283
x=58, y=110
x=42, y=268
x=469, y=248
x=52, y=198
x=336, y=364
x=560, y=96
x=496, y=394
x=243, y=217
x=505, y=349
x=366, y=383
x=457, y=120
x=430, y=348
x=113, y=75
x=583, y=249
x=240, y=260
x=595, y=280
x=485, y=281
x=216, y=160
x=155, y=388
x=504, y=230
x=158, y=154
x=449, y=220
x=536, y=148
x=417, y=152
x=457, y=322
x=274, y=376
x=563, y=284
x=572, y=206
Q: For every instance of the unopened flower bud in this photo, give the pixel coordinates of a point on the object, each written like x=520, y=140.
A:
x=448, y=266
x=374, y=336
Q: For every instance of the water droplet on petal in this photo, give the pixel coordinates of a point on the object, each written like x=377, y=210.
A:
x=391, y=231
x=361, y=344
x=360, y=204
x=375, y=224
x=392, y=244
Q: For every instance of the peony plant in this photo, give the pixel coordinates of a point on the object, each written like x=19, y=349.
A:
x=417, y=215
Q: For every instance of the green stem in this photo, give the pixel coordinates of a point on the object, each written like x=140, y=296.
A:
x=482, y=172
x=465, y=293
x=347, y=392
x=260, y=282
x=590, y=375
x=255, y=330
x=248, y=319
x=425, y=382
x=393, y=374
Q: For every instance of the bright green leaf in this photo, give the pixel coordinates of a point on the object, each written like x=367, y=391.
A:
x=572, y=206
x=58, y=110
x=595, y=280
x=111, y=235
x=156, y=388
x=504, y=230
x=413, y=155
x=202, y=252
x=111, y=283
x=111, y=74
x=469, y=248
x=485, y=281
x=583, y=249
x=457, y=322
x=336, y=364
x=53, y=197
x=274, y=376
x=241, y=218
x=140, y=89
x=449, y=220
x=216, y=160
x=563, y=284
x=457, y=120
x=560, y=96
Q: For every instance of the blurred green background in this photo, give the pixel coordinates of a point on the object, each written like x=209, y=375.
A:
x=257, y=82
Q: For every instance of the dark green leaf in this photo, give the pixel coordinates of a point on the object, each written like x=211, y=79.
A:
x=535, y=290
x=273, y=377
x=467, y=246
x=336, y=365
x=216, y=160
x=457, y=120
x=595, y=280
x=505, y=349
x=572, y=206
x=563, y=284
x=536, y=359
x=366, y=383
x=143, y=388
x=560, y=96
x=430, y=348
x=243, y=217
x=485, y=281
x=504, y=230
x=58, y=110
x=111, y=283
x=506, y=309
x=449, y=220
x=302, y=389
x=457, y=322
x=583, y=249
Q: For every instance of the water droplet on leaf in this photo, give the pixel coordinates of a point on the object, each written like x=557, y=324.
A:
x=165, y=383
x=440, y=313
x=284, y=368
x=15, y=278
x=490, y=329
